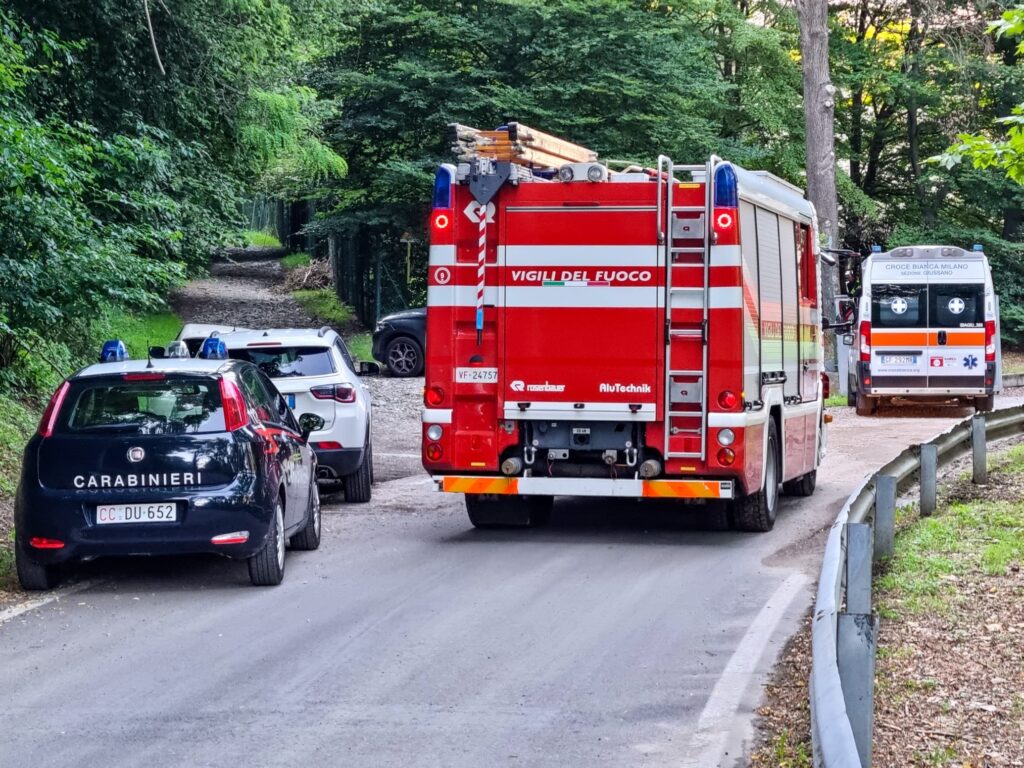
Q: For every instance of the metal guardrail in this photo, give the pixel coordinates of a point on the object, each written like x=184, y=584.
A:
x=844, y=629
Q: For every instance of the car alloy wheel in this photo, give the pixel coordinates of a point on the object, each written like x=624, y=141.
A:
x=403, y=357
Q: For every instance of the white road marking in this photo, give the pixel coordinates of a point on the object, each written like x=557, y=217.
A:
x=38, y=602
x=716, y=721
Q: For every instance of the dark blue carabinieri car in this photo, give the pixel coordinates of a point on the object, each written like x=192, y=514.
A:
x=168, y=456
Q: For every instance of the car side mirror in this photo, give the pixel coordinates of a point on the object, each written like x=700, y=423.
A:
x=309, y=423
x=365, y=368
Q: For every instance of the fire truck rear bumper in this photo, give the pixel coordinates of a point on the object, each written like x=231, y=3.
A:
x=574, y=486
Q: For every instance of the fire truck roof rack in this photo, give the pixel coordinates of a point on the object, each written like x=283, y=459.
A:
x=517, y=144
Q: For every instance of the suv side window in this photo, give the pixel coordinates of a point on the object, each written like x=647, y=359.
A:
x=345, y=355
x=266, y=410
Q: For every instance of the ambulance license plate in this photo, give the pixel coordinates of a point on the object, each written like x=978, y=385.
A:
x=899, y=360
x=107, y=514
x=291, y=400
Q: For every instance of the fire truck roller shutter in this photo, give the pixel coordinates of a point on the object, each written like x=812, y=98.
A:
x=790, y=307
x=770, y=281
x=751, y=304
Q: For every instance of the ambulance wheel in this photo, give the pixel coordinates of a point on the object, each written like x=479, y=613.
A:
x=488, y=510
x=801, y=486
x=986, y=403
x=32, y=575
x=866, y=406
x=757, y=511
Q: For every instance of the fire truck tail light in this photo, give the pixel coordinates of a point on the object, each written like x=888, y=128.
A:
x=441, y=221
x=728, y=399
x=726, y=437
x=865, y=341
x=434, y=396
x=434, y=452
x=724, y=220
x=726, y=456
x=990, y=341
x=49, y=420
x=435, y=432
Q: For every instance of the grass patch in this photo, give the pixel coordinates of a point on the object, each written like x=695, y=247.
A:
x=323, y=304
x=256, y=238
x=295, y=260
x=17, y=425
x=139, y=332
x=360, y=345
x=835, y=400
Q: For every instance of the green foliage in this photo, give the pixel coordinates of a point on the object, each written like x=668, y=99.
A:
x=323, y=304
x=360, y=345
x=16, y=427
x=255, y=238
x=294, y=260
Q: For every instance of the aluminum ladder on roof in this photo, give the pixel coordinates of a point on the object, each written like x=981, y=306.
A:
x=667, y=213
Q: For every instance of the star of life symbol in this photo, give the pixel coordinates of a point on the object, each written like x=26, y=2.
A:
x=956, y=305
x=898, y=306
x=970, y=362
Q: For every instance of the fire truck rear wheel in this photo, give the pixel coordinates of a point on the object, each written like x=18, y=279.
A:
x=756, y=512
x=986, y=403
x=866, y=406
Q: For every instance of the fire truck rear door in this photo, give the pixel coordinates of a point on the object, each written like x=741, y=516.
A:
x=583, y=335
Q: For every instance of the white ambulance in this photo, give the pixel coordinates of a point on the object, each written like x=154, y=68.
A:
x=926, y=329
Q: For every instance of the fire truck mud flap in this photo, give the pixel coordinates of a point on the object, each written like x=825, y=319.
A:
x=602, y=487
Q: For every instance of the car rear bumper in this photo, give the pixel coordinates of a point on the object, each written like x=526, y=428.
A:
x=62, y=516
x=334, y=464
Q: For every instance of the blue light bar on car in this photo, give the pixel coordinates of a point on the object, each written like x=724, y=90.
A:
x=114, y=351
x=876, y=249
x=214, y=349
x=978, y=248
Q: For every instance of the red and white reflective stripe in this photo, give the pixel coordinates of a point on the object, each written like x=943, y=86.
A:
x=481, y=270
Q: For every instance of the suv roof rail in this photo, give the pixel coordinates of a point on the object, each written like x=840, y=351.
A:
x=324, y=331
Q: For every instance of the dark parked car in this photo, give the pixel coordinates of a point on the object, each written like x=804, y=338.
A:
x=171, y=457
x=399, y=341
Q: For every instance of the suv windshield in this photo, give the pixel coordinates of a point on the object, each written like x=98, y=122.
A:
x=280, y=362
x=163, y=407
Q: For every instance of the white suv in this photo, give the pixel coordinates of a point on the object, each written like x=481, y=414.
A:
x=315, y=372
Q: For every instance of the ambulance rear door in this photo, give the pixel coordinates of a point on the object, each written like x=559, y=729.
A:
x=956, y=324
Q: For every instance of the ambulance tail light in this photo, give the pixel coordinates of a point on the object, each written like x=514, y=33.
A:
x=826, y=386
x=990, y=341
x=865, y=341
x=236, y=415
x=49, y=420
x=725, y=215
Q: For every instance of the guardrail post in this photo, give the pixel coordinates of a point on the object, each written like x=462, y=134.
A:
x=857, y=631
x=929, y=478
x=979, y=449
x=885, y=515
x=858, y=636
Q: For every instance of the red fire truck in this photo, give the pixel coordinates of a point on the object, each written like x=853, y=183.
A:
x=646, y=333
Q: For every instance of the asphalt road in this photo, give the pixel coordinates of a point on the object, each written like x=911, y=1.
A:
x=623, y=635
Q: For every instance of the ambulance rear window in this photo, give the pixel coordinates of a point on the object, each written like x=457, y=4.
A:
x=957, y=306
x=899, y=306
x=162, y=407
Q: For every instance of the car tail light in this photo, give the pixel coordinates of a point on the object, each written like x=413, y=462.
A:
x=40, y=543
x=990, y=341
x=434, y=396
x=341, y=393
x=726, y=456
x=826, y=386
x=865, y=341
x=49, y=420
x=236, y=415
x=728, y=399
x=434, y=451
x=328, y=445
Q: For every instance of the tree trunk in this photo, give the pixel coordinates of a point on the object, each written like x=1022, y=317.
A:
x=819, y=114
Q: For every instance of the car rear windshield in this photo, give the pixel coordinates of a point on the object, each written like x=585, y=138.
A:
x=899, y=306
x=957, y=306
x=280, y=362
x=163, y=407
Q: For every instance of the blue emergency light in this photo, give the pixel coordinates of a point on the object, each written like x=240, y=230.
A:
x=876, y=249
x=443, y=188
x=114, y=351
x=978, y=248
x=726, y=192
x=214, y=349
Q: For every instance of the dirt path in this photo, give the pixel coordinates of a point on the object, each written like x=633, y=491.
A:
x=251, y=294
